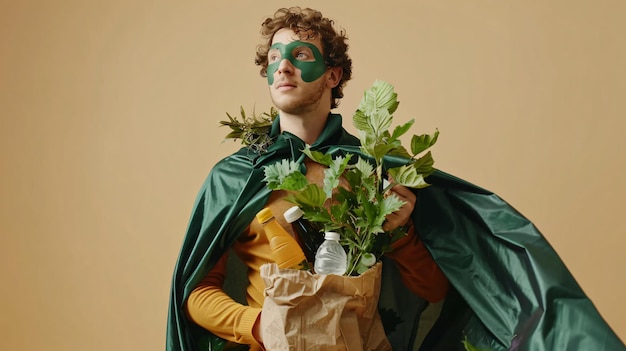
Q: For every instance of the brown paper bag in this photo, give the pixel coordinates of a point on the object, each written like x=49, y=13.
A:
x=304, y=311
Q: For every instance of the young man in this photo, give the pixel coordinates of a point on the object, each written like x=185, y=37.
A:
x=505, y=278
x=304, y=83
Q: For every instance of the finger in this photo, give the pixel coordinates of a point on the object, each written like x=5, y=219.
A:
x=404, y=193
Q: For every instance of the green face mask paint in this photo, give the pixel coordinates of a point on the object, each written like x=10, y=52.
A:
x=299, y=54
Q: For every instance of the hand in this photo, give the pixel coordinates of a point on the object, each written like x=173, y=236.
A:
x=256, y=330
x=400, y=217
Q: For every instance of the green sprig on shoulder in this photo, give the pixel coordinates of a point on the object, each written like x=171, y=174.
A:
x=253, y=131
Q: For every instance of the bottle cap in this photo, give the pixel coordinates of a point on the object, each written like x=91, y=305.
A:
x=264, y=215
x=331, y=236
x=292, y=214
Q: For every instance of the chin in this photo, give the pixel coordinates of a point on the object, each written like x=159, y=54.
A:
x=295, y=107
x=287, y=106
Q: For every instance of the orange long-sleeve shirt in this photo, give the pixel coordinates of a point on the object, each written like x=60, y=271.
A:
x=210, y=307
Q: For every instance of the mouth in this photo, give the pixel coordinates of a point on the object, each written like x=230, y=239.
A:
x=285, y=86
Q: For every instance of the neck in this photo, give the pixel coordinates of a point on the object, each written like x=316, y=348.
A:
x=307, y=127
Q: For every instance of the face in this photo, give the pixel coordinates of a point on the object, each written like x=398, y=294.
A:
x=296, y=73
x=304, y=56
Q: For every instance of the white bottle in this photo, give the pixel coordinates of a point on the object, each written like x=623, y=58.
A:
x=331, y=257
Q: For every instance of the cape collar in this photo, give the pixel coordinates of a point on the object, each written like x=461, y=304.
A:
x=288, y=145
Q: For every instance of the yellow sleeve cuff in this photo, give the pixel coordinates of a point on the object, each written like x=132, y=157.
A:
x=244, y=330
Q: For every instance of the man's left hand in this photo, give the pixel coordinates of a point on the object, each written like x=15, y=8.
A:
x=400, y=217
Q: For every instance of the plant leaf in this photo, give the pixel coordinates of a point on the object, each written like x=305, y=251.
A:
x=361, y=121
x=317, y=156
x=424, y=164
x=390, y=204
x=422, y=142
x=311, y=196
x=364, y=167
x=401, y=130
x=380, y=96
x=275, y=174
x=380, y=121
x=381, y=150
x=408, y=176
x=339, y=212
x=333, y=172
x=294, y=181
x=399, y=151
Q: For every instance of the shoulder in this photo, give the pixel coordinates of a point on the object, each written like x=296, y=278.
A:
x=242, y=158
x=231, y=169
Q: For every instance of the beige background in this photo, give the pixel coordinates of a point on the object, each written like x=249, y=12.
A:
x=109, y=124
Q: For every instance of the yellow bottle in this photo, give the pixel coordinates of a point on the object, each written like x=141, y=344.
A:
x=285, y=249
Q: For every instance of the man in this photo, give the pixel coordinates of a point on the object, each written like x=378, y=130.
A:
x=304, y=83
x=307, y=66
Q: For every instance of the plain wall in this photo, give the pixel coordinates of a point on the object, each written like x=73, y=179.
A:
x=109, y=116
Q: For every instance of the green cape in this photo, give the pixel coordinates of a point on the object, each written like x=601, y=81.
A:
x=510, y=290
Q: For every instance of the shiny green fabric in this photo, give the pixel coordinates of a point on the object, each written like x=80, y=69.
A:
x=229, y=199
x=510, y=289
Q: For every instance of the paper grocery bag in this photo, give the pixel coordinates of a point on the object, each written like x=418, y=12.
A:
x=305, y=311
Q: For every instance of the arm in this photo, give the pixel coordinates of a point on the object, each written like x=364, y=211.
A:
x=419, y=271
x=211, y=308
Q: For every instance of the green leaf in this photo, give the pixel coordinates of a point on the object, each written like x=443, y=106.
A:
x=380, y=121
x=367, y=180
x=424, y=164
x=333, y=172
x=253, y=131
x=399, y=151
x=317, y=156
x=389, y=205
x=379, y=96
x=422, y=142
x=368, y=143
x=339, y=212
x=294, y=181
x=370, y=214
x=275, y=174
x=366, y=168
x=322, y=217
x=345, y=195
x=312, y=195
x=408, y=176
x=235, y=134
x=361, y=121
x=381, y=150
x=401, y=130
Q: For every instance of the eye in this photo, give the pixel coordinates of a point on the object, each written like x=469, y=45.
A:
x=303, y=54
x=273, y=57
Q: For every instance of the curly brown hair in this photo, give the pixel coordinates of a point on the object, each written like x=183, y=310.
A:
x=307, y=24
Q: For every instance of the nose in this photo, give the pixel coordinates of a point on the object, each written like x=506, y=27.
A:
x=285, y=67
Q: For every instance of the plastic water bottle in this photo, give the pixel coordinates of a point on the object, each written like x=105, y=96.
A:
x=331, y=257
x=285, y=249
x=308, y=235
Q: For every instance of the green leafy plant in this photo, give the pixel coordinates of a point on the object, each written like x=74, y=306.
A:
x=253, y=131
x=358, y=211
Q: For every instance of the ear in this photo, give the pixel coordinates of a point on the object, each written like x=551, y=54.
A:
x=333, y=76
